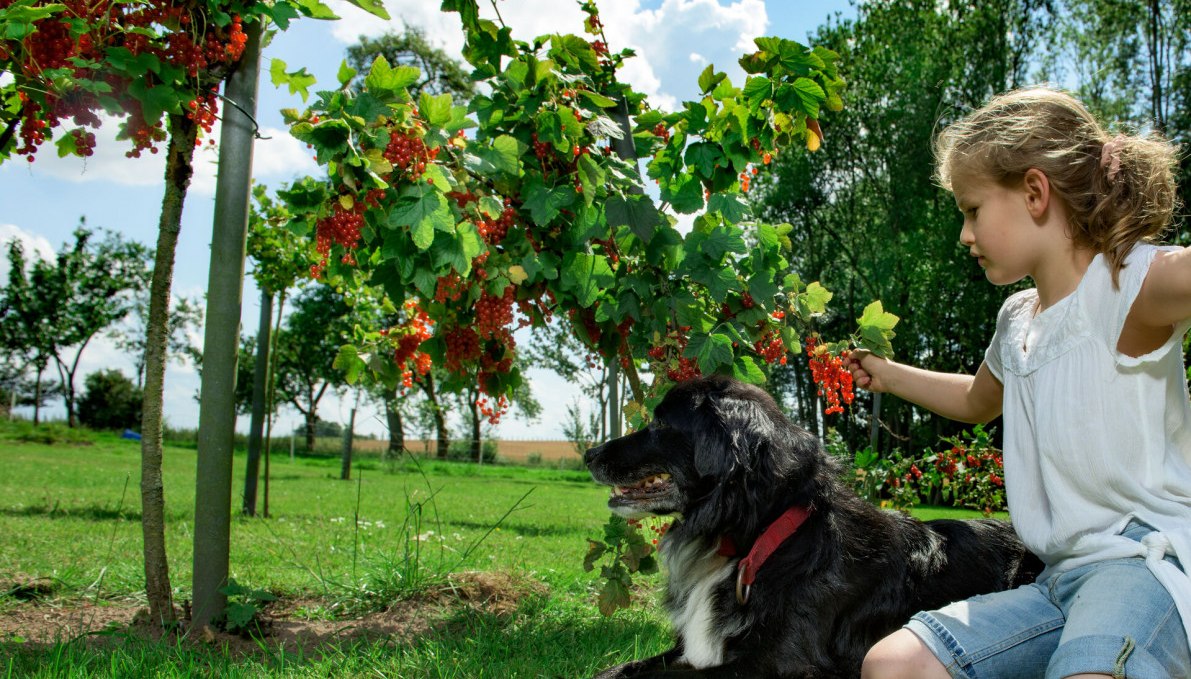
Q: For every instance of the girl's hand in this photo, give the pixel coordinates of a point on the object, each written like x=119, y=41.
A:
x=867, y=369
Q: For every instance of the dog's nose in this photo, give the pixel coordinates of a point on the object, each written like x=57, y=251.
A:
x=592, y=455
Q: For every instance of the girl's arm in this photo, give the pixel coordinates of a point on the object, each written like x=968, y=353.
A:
x=1165, y=296
x=965, y=398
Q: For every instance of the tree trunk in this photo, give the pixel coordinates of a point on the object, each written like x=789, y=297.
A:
x=477, y=450
x=270, y=395
x=225, y=289
x=37, y=398
x=178, y=171
x=260, y=378
x=311, y=424
x=345, y=470
x=396, y=430
x=443, y=445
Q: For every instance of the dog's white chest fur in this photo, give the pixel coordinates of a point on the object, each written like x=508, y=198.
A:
x=694, y=573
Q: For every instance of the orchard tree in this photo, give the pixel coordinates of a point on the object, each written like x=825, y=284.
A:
x=281, y=259
x=540, y=214
x=157, y=65
x=185, y=319
x=306, y=350
x=64, y=304
x=24, y=335
x=440, y=73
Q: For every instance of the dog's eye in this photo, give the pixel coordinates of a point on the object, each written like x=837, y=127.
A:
x=658, y=425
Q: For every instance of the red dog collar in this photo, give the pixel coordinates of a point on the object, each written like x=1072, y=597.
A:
x=778, y=532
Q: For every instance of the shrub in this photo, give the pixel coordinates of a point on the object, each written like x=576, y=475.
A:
x=110, y=401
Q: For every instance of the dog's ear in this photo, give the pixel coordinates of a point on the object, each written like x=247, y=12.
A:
x=731, y=437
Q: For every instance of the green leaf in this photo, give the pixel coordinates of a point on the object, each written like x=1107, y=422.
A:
x=613, y=597
x=597, y=99
x=586, y=276
x=348, y=360
x=435, y=109
x=457, y=248
x=721, y=241
x=712, y=351
x=816, y=298
x=374, y=7
x=345, y=75
x=315, y=9
x=876, y=329
x=708, y=79
x=591, y=176
x=635, y=211
x=810, y=95
x=328, y=137
x=595, y=550
x=299, y=82
x=685, y=194
x=732, y=207
x=544, y=203
x=506, y=154
x=424, y=213
x=383, y=78
x=745, y=369
x=703, y=156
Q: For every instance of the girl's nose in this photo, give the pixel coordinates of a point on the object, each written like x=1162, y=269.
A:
x=966, y=236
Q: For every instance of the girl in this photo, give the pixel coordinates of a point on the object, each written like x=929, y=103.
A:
x=1087, y=370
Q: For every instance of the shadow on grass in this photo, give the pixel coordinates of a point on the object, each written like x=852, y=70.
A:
x=528, y=530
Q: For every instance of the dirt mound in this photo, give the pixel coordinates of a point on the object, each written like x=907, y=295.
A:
x=297, y=625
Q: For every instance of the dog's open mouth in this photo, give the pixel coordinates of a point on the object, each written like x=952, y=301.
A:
x=651, y=486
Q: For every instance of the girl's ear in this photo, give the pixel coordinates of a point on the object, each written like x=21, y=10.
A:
x=1036, y=185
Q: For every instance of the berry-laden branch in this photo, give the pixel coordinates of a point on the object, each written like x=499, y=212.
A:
x=532, y=216
x=73, y=60
x=515, y=211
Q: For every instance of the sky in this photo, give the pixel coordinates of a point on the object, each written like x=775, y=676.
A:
x=41, y=203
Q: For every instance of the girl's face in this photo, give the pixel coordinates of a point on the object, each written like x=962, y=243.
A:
x=998, y=228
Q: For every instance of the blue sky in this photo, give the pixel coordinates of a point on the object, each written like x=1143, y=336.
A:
x=42, y=202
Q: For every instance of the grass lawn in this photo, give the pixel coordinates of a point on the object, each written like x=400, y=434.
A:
x=69, y=517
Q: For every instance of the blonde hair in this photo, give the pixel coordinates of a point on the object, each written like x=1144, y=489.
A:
x=1119, y=190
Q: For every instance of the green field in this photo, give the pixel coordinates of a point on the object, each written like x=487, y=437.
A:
x=69, y=517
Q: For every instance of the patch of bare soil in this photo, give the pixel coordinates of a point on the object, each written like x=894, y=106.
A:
x=290, y=625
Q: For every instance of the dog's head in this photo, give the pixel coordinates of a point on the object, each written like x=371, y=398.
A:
x=718, y=452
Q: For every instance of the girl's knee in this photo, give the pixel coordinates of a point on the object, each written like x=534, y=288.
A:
x=902, y=655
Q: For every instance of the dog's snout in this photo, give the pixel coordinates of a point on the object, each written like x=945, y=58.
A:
x=593, y=454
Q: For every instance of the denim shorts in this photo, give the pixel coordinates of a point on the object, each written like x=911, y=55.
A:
x=1111, y=617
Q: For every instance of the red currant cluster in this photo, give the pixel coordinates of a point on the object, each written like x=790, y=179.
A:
x=342, y=227
x=668, y=355
x=410, y=336
x=494, y=314
x=493, y=231
x=449, y=288
x=409, y=152
x=771, y=348
x=84, y=142
x=493, y=410
x=544, y=150
x=828, y=371
x=662, y=131
x=658, y=528
x=203, y=110
x=746, y=178
x=463, y=347
x=80, y=38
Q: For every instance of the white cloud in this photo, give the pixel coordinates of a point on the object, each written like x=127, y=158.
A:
x=662, y=37
x=278, y=157
x=34, y=246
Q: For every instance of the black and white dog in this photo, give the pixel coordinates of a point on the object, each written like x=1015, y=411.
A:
x=776, y=569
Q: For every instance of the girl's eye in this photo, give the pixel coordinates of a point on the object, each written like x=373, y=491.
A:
x=971, y=212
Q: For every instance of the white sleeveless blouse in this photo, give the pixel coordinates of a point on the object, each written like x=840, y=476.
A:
x=1094, y=438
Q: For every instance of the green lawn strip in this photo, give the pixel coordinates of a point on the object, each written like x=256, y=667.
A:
x=70, y=517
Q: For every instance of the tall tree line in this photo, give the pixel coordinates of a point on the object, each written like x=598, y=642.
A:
x=871, y=223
